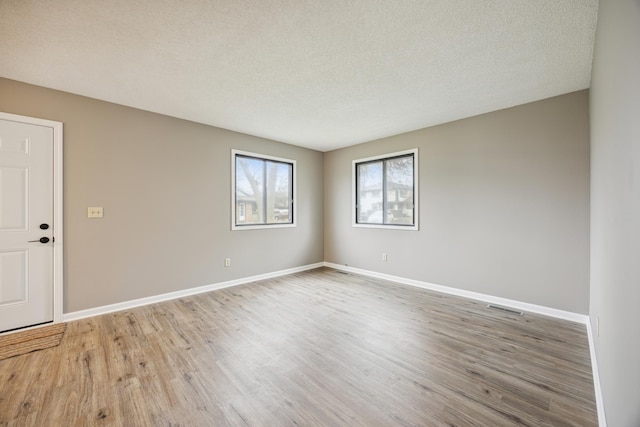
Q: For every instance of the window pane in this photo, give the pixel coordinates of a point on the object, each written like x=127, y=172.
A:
x=399, y=191
x=385, y=191
x=279, y=176
x=249, y=190
x=369, y=193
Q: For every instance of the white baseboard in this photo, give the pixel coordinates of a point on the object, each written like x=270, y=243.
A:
x=560, y=314
x=126, y=305
x=521, y=306
x=602, y=421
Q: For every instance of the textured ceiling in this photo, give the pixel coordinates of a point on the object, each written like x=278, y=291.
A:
x=321, y=74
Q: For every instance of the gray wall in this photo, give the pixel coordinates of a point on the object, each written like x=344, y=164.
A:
x=504, y=206
x=615, y=208
x=165, y=185
x=503, y=209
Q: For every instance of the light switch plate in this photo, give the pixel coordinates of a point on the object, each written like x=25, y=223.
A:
x=94, y=212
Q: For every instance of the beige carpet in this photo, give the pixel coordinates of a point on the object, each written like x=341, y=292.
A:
x=24, y=342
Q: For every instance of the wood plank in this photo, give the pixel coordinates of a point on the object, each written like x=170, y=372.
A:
x=312, y=348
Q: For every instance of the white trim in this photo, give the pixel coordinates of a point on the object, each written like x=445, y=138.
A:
x=235, y=227
x=522, y=306
x=416, y=191
x=602, y=421
x=58, y=250
x=565, y=315
x=105, y=309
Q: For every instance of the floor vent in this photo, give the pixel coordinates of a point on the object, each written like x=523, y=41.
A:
x=508, y=310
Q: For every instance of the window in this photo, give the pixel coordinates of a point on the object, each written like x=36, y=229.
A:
x=262, y=191
x=386, y=191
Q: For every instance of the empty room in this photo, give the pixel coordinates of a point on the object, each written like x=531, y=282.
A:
x=331, y=213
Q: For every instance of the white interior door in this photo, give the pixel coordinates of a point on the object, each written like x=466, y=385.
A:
x=26, y=224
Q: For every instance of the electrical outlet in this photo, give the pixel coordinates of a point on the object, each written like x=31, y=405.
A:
x=227, y=262
x=384, y=256
x=94, y=212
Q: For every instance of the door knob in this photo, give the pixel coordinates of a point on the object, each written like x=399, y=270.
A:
x=41, y=240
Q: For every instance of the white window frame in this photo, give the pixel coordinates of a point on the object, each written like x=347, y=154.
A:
x=235, y=153
x=416, y=191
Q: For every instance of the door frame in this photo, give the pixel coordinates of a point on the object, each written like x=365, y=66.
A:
x=58, y=252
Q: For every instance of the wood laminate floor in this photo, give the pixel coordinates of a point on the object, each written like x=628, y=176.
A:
x=315, y=348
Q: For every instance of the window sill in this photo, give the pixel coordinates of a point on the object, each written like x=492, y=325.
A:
x=387, y=226
x=261, y=226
